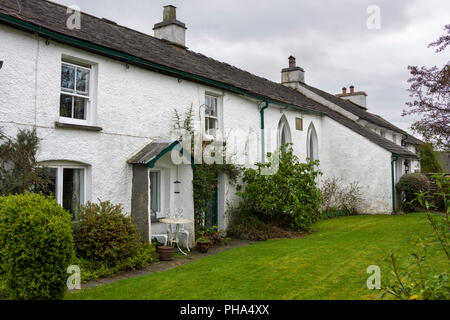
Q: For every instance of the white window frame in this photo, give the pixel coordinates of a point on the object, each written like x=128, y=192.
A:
x=312, y=138
x=60, y=177
x=207, y=134
x=160, y=194
x=284, y=127
x=88, y=111
x=164, y=192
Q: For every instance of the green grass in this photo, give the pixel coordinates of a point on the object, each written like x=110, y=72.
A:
x=329, y=264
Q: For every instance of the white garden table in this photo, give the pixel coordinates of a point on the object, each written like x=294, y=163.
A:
x=177, y=222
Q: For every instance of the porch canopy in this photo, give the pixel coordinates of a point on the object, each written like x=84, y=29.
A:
x=154, y=151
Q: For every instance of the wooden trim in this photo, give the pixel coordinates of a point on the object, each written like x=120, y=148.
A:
x=62, y=125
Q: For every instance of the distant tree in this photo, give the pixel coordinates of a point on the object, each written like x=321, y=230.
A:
x=19, y=169
x=430, y=91
x=428, y=160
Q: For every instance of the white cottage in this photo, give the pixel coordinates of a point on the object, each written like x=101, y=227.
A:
x=101, y=97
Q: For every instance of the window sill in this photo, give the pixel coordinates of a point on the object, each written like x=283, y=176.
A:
x=63, y=125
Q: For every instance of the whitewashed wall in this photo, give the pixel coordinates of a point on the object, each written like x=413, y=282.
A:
x=135, y=105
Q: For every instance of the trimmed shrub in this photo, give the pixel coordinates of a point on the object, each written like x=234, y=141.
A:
x=409, y=185
x=93, y=270
x=104, y=234
x=36, y=247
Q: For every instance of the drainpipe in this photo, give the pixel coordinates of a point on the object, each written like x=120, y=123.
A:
x=263, y=147
x=394, y=160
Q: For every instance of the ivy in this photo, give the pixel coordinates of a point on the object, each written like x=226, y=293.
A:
x=205, y=176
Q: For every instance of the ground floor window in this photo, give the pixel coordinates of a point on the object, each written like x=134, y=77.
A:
x=68, y=186
x=155, y=193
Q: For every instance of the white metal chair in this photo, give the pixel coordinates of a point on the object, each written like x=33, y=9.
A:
x=183, y=230
x=162, y=236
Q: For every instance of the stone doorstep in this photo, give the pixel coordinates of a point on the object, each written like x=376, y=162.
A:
x=161, y=266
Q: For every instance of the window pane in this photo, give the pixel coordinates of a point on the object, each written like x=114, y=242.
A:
x=73, y=190
x=82, y=81
x=207, y=105
x=80, y=108
x=212, y=124
x=68, y=78
x=51, y=174
x=65, y=107
x=155, y=189
x=214, y=107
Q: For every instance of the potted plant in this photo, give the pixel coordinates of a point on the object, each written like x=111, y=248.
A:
x=203, y=244
x=166, y=253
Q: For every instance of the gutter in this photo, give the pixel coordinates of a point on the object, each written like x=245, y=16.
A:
x=118, y=55
x=394, y=160
x=263, y=142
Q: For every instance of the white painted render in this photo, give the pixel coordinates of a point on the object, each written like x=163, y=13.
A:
x=135, y=106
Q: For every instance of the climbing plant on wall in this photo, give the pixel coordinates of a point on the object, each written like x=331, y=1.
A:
x=205, y=175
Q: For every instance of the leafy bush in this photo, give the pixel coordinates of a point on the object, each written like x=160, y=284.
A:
x=213, y=235
x=339, y=200
x=411, y=184
x=245, y=226
x=104, y=234
x=411, y=282
x=93, y=270
x=288, y=198
x=36, y=246
x=19, y=169
x=428, y=160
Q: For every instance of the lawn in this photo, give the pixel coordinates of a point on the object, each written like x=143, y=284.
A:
x=329, y=264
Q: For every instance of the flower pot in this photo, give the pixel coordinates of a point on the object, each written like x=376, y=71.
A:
x=203, y=247
x=166, y=253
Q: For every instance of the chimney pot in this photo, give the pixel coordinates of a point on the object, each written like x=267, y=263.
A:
x=170, y=13
x=344, y=90
x=292, y=62
x=352, y=89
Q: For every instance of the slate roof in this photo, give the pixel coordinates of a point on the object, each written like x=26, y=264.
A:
x=107, y=34
x=150, y=152
x=362, y=113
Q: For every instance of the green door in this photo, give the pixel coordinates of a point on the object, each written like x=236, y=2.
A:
x=211, y=217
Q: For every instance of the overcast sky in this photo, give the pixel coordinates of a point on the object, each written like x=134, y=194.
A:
x=329, y=38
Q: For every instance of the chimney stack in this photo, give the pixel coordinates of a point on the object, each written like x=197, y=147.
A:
x=170, y=28
x=293, y=75
x=358, y=98
x=352, y=89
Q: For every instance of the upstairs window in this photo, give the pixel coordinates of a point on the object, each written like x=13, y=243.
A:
x=312, y=144
x=211, y=115
x=394, y=138
x=284, y=132
x=75, y=91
